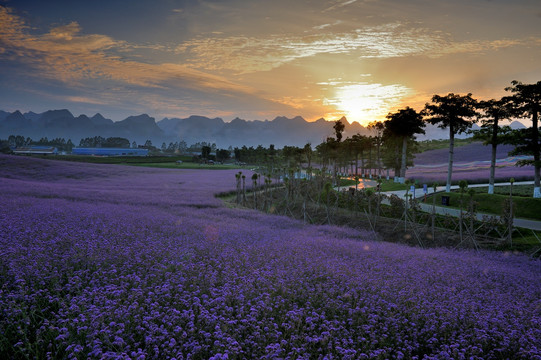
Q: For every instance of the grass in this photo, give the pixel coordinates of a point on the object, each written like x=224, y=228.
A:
x=119, y=159
x=518, y=190
x=426, y=145
x=348, y=182
x=164, y=162
x=187, y=165
x=393, y=186
x=524, y=207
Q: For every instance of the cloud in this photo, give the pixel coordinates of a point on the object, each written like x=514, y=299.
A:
x=339, y=5
x=248, y=54
x=251, y=54
x=67, y=55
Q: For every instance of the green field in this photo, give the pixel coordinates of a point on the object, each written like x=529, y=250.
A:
x=168, y=162
x=426, y=145
x=524, y=207
x=187, y=165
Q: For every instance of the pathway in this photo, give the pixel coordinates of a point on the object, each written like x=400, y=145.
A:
x=444, y=210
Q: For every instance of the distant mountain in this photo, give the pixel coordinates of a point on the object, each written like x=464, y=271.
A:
x=280, y=131
x=62, y=123
x=517, y=125
x=32, y=116
x=3, y=115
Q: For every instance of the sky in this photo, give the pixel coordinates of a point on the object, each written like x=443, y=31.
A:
x=260, y=59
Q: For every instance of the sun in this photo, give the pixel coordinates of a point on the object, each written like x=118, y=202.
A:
x=363, y=102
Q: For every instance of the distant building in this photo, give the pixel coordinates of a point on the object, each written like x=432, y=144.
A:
x=109, y=151
x=36, y=150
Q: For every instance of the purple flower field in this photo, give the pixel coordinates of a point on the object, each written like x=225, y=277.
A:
x=118, y=262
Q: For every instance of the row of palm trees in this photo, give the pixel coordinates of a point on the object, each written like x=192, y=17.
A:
x=454, y=112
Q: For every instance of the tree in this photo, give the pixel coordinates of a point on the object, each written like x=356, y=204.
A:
x=490, y=132
x=526, y=101
x=452, y=111
x=356, y=145
x=377, y=127
x=222, y=155
x=308, y=154
x=339, y=127
x=405, y=123
x=69, y=145
x=205, y=152
x=116, y=142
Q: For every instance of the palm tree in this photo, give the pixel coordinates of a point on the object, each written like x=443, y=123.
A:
x=527, y=102
x=405, y=123
x=490, y=132
x=453, y=112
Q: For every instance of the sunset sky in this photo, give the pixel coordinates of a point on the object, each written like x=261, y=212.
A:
x=259, y=59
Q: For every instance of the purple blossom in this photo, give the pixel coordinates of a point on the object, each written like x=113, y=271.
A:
x=123, y=262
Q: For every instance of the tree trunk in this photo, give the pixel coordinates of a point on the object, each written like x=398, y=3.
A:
x=493, y=157
x=356, y=164
x=378, y=162
x=492, y=169
x=451, y=152
x=537, y=165
x=362, y=163
x=404, y=157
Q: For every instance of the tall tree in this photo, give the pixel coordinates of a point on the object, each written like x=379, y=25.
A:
x=526, y=100
x=492, y=111
x=405, y=123
x=308, y=154
x=377, y=128
x=454, y=112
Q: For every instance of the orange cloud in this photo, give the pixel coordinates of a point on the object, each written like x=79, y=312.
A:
x=67, y=55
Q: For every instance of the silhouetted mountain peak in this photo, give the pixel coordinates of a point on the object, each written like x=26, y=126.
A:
x=238, y=121
x=32, y=116
x=517, y=125
x=139, y=119
x=98, y=119
x=16, y=115
x=56, y=114
x=16, y=120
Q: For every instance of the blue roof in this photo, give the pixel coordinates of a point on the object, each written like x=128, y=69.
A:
x=109, y=151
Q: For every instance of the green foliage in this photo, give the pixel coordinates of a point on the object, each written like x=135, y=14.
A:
x=451, y=111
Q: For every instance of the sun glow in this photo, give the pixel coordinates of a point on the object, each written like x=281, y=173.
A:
x=368, y=102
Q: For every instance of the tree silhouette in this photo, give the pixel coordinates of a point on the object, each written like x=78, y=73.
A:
x=205, y=152
x=526, y=100
x=405, y=123
x=339, y=127
x=492, y=112
x=452, y=111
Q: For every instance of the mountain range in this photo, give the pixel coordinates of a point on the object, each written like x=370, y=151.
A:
x=280, y=131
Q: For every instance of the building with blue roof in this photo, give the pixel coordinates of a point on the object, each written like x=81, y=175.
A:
x=109, y=151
